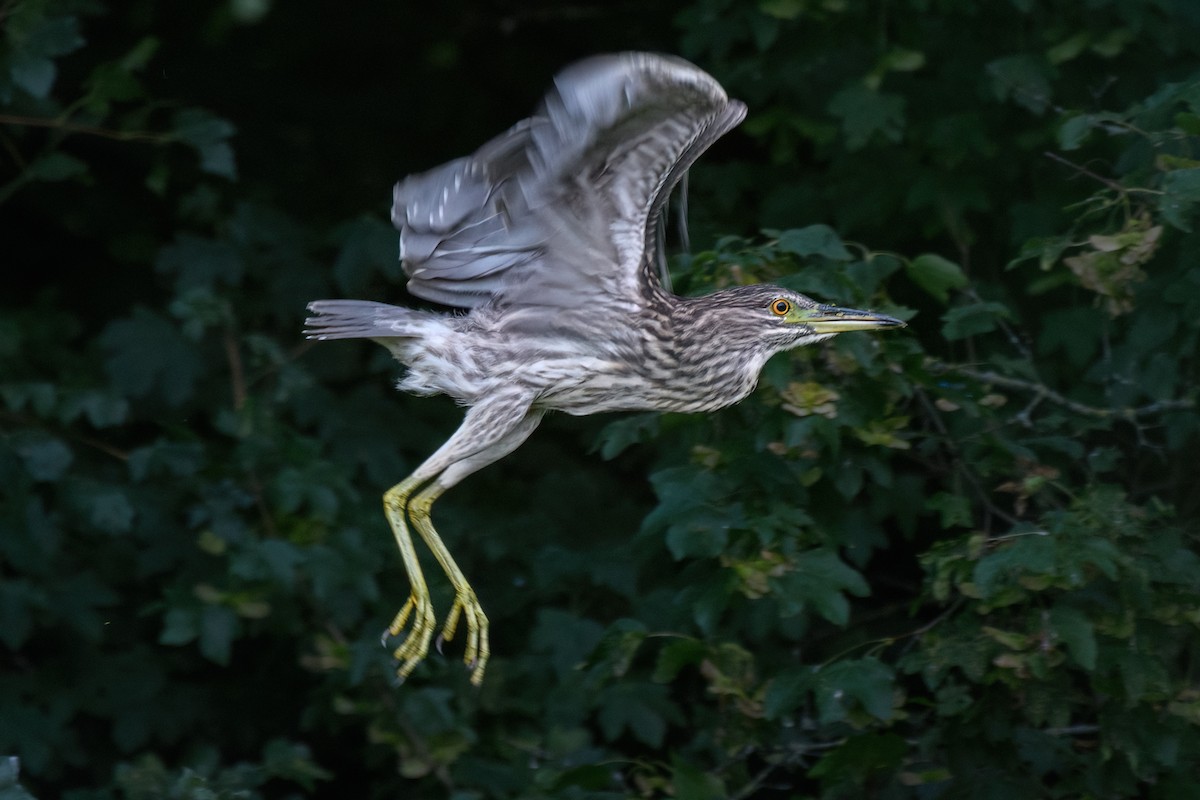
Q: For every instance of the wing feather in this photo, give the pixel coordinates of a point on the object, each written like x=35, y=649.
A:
x=564, y=205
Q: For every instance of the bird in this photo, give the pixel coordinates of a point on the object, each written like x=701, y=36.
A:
x=544, y=244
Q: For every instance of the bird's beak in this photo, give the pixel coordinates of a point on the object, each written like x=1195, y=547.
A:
x=831, y=319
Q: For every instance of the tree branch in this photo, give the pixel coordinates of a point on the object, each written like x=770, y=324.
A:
x=71, y=127
x=1042, y=392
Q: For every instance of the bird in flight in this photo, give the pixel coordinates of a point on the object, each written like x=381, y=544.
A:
x=545, y=240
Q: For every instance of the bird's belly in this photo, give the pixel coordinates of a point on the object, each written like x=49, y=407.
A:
x=578, y=382
x=620, y=390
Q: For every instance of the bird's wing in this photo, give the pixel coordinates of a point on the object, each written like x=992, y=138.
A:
x=562, y=209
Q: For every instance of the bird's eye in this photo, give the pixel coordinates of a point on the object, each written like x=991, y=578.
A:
x=781, y=307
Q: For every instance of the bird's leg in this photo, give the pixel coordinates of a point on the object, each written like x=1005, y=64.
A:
x=466, y=604
x=418, y=607
x=491, y=430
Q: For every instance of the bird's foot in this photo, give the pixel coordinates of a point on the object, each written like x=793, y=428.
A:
x=415, y=646
x=466, y=606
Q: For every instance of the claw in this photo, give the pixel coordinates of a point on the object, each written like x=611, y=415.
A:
x=476, y=655
x=415, y=646
x=451, y=624
x=413, y=649
x=399, y=502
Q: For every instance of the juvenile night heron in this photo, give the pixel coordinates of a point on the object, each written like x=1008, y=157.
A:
x=547, y=237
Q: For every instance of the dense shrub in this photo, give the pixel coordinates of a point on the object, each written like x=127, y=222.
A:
x=959, y=560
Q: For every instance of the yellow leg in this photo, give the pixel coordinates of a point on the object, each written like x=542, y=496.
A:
x=466, y=604
x=418, y=607
x=489, y=431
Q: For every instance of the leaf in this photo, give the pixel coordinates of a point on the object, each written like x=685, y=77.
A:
x=367, y=249
x=620, y=434
x=1073, y=132
x=147, y=352
x=954, y=509
x=900, y=59
x=616, y=649
x=1181, y=192
x=1188, y=123
x=787, y=691
x=102, y=409
x=814, y=240
x=56, y=166
x=643, y=709
x=696, y=526
x=1027, y=555
x=110, y=510
x=971, y=320
x=116, y=81
x=19, y=602
x=50, y=36
x=46, y=458
x=199, y=262
x=209, y=135
x=860, y=756
x=692, y=783
x=1024, y=79
x=1069, y=48
x=936, y=275
x=865, y=113
x=34, y=47
x=293, y=761
x=1074, y=628
x=703, y=536
x=10, y=786
x=589, y=777
x=1046, y=249
x=166, y=458
x=818, y=578
x=34, y=74
x=675, y=656
x=782, y=9
x=218, y=626
x=867, y=682
x=1077, y=331
x=179, y=626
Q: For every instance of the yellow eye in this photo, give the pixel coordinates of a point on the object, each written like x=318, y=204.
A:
x=781, y=307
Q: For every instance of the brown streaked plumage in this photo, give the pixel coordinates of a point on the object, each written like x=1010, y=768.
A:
x=547, y=235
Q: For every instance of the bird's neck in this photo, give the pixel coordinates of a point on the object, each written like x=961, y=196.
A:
x=714, y=360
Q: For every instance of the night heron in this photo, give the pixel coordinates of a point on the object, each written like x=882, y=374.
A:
x=547, y=236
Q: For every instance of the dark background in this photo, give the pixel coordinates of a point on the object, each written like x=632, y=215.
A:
x=958, y=560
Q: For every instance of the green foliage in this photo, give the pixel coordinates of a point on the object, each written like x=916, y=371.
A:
x=958, y=560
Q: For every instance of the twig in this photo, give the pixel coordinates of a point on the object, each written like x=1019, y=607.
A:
x=260, y=503
x=237, y=373
x=1043, y=392
x=955, y=604
x=1013, y=337
x=71, y=127
x=30, y=421
x=1082, y=170
x=757, y=781
x=959, y=464
x=1073, y=730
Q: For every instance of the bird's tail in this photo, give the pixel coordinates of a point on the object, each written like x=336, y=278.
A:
x=362, y=319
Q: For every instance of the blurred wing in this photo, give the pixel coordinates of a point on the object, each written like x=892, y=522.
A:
x=564, y=207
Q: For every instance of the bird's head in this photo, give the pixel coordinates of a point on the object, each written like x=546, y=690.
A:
x=780, y=319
